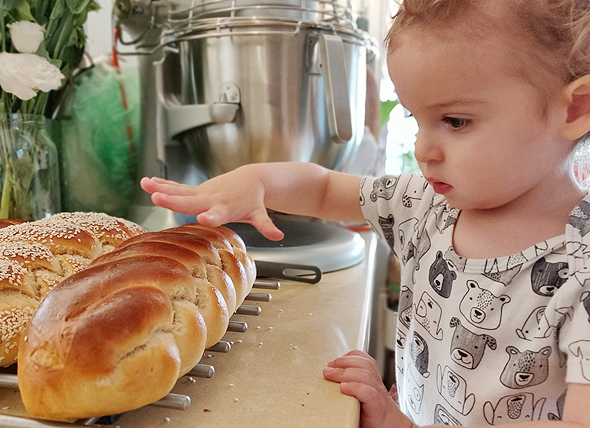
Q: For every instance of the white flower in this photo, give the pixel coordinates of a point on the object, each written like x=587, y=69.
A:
x=26, y=36
x=25, y=74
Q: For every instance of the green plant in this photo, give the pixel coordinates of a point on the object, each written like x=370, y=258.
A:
x=41, y=44
x=62, y=45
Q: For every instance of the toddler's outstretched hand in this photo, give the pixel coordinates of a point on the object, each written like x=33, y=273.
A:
x=232, y=197
x=359, y=377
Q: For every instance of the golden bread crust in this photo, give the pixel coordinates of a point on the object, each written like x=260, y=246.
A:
x=127, y=319
x=44, y=253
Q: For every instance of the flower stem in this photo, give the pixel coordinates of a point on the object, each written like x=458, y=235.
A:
x=2, y=27
x=6, y=193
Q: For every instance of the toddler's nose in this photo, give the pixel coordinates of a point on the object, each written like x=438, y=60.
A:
x=427, y=149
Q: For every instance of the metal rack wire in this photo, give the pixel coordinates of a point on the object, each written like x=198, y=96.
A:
x=165, y=23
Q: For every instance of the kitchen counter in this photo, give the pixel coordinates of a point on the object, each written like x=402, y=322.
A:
x=272, y=376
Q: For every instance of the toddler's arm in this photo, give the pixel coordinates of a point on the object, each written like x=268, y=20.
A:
x=242, y=195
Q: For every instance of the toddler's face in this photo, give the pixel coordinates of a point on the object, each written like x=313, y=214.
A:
x=485, y=138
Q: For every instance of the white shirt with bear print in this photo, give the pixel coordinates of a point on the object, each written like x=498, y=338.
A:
x=482, y=341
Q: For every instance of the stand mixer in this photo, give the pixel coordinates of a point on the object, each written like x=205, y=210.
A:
x=225, y=83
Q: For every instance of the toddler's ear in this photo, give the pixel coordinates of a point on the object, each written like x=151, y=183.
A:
x=578, y=109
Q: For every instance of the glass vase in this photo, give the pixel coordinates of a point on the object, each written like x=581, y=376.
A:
x=29, y=168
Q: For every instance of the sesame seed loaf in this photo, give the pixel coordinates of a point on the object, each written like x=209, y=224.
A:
x=118, y=334
x=35, y=256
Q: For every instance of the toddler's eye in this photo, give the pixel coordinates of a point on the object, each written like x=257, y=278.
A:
x=456, y=122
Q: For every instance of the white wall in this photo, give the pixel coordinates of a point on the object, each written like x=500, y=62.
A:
x=99, y=31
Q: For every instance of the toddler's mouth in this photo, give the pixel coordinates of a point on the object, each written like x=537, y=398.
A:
x=440, y=187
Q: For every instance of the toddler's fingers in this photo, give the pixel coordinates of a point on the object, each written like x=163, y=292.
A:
x=219, y=215
x=170, y=188
x=356, y=375
x=179, y=203
x=370, y=361
x=210, y=218
x=164, y=181
x=262, y=222
x=151, y=185
x=148, y=185
x=359, y=353
x=358, y=359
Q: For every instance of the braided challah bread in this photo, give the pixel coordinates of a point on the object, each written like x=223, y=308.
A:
x=35, y=256
x=117, y=335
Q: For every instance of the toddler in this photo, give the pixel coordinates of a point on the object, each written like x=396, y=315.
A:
x=493, y=238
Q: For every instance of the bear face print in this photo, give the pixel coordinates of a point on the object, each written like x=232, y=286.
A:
x=453, y=388
x=455, y=261
x=362, y=193
x=386, y=225
x=440, y=276
x=414, y=191
x=535, y=326
x=419, y=353
x=410, y=250
x=525, y=369
x=383, y=188
x=414, y=392
x=504, y=270
x=514, y=408
x=538, y=326
x=546, y=277
x=443, y=417
x=467, y=348
x=428, y=314
x=445, y=216
x=405, y=306
x=406, y=231
x=400, y=339
x=581, y=350
x=400, y=344
x=481, y=308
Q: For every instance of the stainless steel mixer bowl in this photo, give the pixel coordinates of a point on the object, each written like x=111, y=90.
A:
x=283, y=113
x=299, y=10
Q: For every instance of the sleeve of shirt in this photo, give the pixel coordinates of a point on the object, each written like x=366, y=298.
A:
x=395, y=207
x=572, y=312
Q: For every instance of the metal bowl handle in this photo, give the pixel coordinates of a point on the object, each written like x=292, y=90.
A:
x=336, y=87
x=179, y=118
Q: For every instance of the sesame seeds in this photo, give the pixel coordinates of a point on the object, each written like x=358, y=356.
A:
x=76, y=263
x=12, y=323
x=25, y=252
x=103, y=225
x=36, y=256
x=11, y=272
x=52, y=233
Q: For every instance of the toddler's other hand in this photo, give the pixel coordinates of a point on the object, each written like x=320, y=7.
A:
x=231, y=197
x=358, y=375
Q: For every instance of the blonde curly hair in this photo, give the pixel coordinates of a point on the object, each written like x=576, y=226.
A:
x=559, y=28
x=552, y=37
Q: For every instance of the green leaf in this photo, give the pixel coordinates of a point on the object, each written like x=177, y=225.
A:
x=78, y=6
x=71, y=57
x=57, y=12
x=23, y=12
x=9, y=5
x=386, y=107
x=42, y=51
x=64, y=43
x=56, y=62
